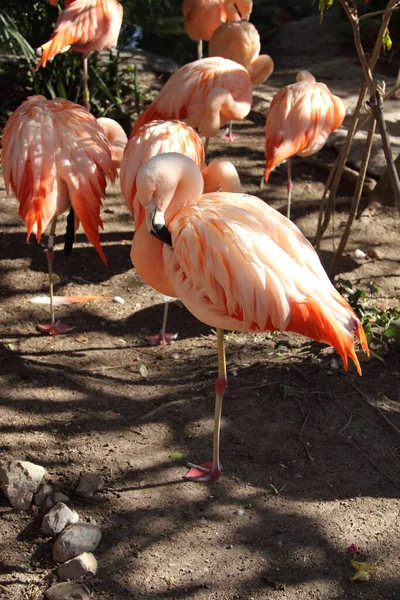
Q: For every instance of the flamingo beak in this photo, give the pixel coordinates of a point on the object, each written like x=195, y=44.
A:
x=155, y=223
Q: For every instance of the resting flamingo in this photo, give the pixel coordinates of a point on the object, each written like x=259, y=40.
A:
x=116, y=137
x=205, y=94
x=159, y=137
x=202, y=17
x=83, y=26
x=300, y=119
x=55, y=155
x=240, y=41
x=236, y=264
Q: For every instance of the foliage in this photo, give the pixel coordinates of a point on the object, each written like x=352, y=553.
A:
x=381, y=325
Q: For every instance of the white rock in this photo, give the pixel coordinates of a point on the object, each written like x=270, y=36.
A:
x=68, y=591
x=118, y=300
x=19, y=480
x=78, y=567
x=43, y=493
x=89, y=484
x=76, y=539
x=359, y=253
x=58, y=518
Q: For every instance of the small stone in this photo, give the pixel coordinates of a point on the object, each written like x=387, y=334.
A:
x=376, y=253
x=78, y=567
x=76, y=539
x=19, y=480
x=43, y=493
x=60, y=497
x=58, y=518
x=359, y=253
x=89, y=484
x=68, y=591
x=118, y=300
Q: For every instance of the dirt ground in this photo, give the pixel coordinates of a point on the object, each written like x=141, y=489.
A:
x=310, y=453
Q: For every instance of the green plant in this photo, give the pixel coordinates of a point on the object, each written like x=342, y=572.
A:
x=381, y=325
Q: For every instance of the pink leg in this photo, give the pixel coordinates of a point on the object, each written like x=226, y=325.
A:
x=162, y=338
x=228, y=135
x=210, y=471
x=289, y=186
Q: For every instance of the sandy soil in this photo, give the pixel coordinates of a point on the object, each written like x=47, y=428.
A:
x=310, y=453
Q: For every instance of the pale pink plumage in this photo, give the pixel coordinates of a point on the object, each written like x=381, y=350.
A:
x=202, y=17
x=236, y=264
x=55, y=154
x=300, y=119
x=84, y=25
x=117, y=138
x=206, y=94
x=240, y=41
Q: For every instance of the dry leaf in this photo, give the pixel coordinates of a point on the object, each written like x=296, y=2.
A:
x=82, y=339
x=143, y=370
x=360, y=566
x=361, y=576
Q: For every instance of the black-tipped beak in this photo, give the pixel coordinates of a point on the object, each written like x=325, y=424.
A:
x=156, y=224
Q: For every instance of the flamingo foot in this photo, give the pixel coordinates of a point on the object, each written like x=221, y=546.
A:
x=56, y=329
x=228, y=136
x=203, y=473
x=161, y=339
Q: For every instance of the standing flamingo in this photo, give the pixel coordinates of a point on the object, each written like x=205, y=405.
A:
x=240, y=41
x=206, y=94
x=83, y=26
x=202, y=17
x=235, y=263
x=159, y=137
x=300, y=119
x=55, y=155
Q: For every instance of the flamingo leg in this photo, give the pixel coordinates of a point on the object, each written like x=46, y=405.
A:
x=55, y=327
x=228, y=135
x=163, y=338
x=289, y=186
x=210, y=471
x=199, y=49
x=86, y=93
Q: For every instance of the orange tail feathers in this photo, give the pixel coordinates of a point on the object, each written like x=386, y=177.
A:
x=310, y=320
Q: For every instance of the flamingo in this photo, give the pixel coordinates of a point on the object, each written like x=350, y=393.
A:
x=300, y=119
x=158, y=137
x=55, y=155
x=202, y=17
x=236, y=264
x=84, y=25
x=116, y=137
x=240, y=41
x=206, y=94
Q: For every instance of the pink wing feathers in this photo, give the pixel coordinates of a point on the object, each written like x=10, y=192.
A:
x=55, y=153
x=206, y=94
x=238, y=264
x=154, y=138
x=299, y=121
x=84, y=25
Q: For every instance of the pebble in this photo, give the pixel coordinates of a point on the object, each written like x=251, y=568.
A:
x=52, y=499
x=43, y=493
x=89, y=484
x=359, y=253
x=76, y=539
x=68, y=591
x=19, y=481
x=118, y=300
x=78, y=567
x=58, y=518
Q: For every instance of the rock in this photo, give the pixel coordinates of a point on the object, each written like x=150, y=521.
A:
x=60, y=497
x=19, y=480
x=58, y=518
x=78, y=567
x=43, y=493
x=68, y=591
x=89, y=484
x=376, y=253
x=76, y=539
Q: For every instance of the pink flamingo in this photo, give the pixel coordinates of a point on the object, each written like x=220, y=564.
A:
x=159, y=137
x=300, y=119
x=236, y=264
x=55, y=155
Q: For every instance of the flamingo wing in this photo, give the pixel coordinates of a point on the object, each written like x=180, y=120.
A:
x=238, y=264
x=84, y=25
x=299, y=121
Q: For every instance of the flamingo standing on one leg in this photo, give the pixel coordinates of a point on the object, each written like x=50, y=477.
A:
x=83, y=26
x=240, y=41
x=202, y=17
x=300, y=119
x=55, y=155
x=159, y=137
x=205, y=94
x=236, y=264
